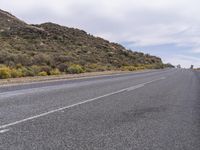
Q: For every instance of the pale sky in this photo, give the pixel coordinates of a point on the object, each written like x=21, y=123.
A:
x=166, y=28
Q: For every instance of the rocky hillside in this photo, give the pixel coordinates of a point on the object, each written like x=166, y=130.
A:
x=52, y=46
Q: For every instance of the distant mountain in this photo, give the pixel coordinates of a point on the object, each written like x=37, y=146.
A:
x=53, y=46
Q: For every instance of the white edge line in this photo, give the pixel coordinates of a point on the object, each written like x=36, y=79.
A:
x=73, y=105
x=3, y=131
x=77, y=78
x=25, y=91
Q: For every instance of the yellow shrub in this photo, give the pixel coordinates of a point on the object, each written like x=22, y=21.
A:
x=43, y=73
x=5, y=72
x=15, y=73
x=129, y=68
x=55, y=72
x=75, y=69
x=96, y=67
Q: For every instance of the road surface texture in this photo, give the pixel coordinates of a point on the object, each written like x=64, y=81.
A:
x=155, y=110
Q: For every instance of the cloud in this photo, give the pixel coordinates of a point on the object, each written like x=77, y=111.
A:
x=141, y=23
x=186, y=60
x=196, y=51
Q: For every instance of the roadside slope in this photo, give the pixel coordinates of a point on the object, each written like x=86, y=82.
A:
x=51, y=49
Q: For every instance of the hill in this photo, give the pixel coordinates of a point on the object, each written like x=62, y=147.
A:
x=50, y=49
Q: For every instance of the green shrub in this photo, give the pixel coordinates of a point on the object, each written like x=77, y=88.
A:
x=19, y=66
x=35, y=69
x=159, y=66
x=5, y=72
x=41, y=59
x=62, y=67
x=75, y=69
x=55, y=72
x=46, y=69
x=43, y=73
x=27, y=72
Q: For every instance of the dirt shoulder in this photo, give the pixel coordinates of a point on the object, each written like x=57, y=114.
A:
x=27, y=80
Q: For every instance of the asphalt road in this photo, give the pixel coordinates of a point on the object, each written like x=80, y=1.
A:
x=156, y=110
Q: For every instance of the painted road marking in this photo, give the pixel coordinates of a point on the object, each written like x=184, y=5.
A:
x=3, y=131
x=80, y=103
x=135, y=87
x=54, y=87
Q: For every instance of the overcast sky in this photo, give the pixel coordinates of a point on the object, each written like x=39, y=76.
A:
x=166, y=28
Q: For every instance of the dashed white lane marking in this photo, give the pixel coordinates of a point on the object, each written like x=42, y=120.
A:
x=135, y=87
x=3, y=131
x=83, y=102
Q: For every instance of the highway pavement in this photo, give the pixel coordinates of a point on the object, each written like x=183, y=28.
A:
x=154, y=110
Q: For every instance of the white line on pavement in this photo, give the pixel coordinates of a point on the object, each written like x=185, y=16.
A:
x=83, y=102
x=37, y=90
x=3, y=131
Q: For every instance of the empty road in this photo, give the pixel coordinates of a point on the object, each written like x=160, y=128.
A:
x=155, y=110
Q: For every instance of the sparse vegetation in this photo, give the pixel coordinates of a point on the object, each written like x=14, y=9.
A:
x=198, y=69
x=51, y=49
x=16, y=73
x=75, y=69
x=55, y=72
x=43, y=73
x=5, y=73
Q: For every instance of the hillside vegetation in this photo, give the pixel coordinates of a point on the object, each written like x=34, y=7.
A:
x=51, y=49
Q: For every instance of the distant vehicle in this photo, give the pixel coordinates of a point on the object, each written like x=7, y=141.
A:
x=179, y=66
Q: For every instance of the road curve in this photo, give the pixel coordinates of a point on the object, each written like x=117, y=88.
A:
x=150, y=110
